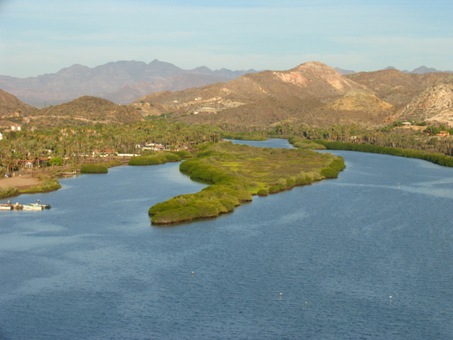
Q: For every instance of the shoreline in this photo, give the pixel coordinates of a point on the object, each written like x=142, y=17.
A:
x=42, y=180
x=27, y=184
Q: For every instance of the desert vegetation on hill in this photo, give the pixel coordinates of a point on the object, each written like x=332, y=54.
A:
x=313, y=94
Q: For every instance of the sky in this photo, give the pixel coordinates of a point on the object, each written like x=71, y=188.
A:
x=44, y=36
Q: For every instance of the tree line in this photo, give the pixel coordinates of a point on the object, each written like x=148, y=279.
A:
x=75, y=145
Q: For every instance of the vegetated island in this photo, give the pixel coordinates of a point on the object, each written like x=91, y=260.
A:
x=236, y=173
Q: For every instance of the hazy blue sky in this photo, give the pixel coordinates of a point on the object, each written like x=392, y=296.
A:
x=43, y=36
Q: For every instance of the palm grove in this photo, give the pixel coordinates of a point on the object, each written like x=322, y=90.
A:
x=73, y=146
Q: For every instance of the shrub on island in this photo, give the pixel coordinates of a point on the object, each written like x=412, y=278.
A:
x=159, y=158
x=147, y=160
x=334, y=169
x=94, y=169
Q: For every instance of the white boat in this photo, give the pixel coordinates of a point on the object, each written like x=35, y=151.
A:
x=6, y=206
x=43, y=206
x=32, y=206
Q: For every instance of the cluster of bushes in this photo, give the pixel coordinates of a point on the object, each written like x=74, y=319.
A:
x=8, y=192
x=434, y=130
x=200, y=169
x=436, y=158
x=47, y=184
x=302, y=143
x=147, y=160
x=159, y=158
x=282, y=184
x=94, y=169
x=334, y=168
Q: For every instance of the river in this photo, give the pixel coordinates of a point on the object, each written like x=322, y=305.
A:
x=363, y=256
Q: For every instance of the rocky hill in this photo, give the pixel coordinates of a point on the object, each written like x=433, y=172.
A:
x=12, y=110
x=433, y=105
x=396, y=87
x=418, y=97
x=313, y=93
x=121, y=82
x=85, y=110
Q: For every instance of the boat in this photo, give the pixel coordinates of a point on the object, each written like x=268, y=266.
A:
x=32, y=206
x=6, y=206
x=36, y=206
x=43, y=206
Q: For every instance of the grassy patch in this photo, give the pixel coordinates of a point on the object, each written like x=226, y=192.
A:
x=8, y=192
x=47, y=184
x=236, y=173
x=94, y=169
x=160, y=158
x=302, y=143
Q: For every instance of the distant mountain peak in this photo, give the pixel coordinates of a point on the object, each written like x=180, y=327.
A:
x=202, y=69
x=313, y=72
x=424, y=69
x=313, y=65
x=73, y=68
x=157, y=62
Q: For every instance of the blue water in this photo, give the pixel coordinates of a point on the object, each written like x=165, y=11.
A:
x=364, y=256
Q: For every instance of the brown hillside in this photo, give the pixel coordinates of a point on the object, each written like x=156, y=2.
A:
x=396, y=87
x=313, y=93
x=435, y=104
x=85, y=110
x=12, y=110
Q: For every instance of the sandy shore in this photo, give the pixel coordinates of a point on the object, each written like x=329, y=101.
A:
x=19, y=182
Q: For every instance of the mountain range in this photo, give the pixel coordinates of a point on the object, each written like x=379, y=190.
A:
x=121, y=82
x=312, y=93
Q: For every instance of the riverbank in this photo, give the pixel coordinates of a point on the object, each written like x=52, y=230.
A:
x=45, y=179
x=436, y=158
x=27, y=184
